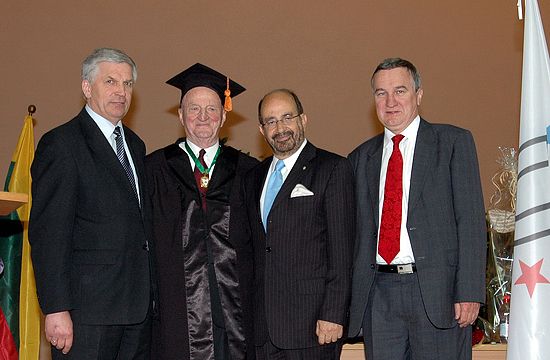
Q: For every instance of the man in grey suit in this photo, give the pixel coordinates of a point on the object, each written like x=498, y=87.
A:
x=88, y=227
x=300, y=206
x=418, y=277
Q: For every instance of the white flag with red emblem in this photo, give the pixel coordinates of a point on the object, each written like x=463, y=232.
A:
x=529, y=331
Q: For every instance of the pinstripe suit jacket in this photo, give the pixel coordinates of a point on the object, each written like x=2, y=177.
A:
x=446, y=222
x=302, y=266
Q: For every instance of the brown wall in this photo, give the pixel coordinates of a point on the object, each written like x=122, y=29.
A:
x=468, y=52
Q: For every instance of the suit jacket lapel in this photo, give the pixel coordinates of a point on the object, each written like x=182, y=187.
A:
x=424, y=155
x=261, y=175
x=103, y=151
x=298, y=170
x=137, y=159
x=374, y=164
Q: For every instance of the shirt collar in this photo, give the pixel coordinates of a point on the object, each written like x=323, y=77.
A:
x=409, y=133
x=289, y=161
x=104, y=125
x=210, y=151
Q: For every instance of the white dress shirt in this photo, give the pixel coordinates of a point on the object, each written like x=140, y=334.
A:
x=210, y=153
x=289, y=164
x=406, y=146
x=107, y=128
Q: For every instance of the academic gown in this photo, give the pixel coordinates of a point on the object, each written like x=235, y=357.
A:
x=193, y=292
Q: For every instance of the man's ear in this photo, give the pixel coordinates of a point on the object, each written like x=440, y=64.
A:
x=419, y=94
x=86, y=89
x=224, y=116
x=304, y=120
x=180, y=116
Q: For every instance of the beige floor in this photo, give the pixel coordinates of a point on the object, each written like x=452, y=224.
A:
x=481, y=352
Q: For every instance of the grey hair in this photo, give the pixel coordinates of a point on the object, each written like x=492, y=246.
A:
x=90, y=64
x=392, y=63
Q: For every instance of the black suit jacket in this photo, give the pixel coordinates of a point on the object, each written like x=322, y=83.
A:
x=87, y=230
x=302, y=266
x=446, y=221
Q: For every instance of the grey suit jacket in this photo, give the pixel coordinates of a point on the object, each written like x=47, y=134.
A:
x=87, y=230
x=446, y=222
x=302, y=266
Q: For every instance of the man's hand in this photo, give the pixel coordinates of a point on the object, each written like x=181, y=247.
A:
x=59, y=330
x=466, y=313
x=328, y=332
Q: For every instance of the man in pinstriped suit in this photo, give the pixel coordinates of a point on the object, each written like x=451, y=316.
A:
x=303, y=248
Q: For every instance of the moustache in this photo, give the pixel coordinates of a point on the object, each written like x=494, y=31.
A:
x=283, y=134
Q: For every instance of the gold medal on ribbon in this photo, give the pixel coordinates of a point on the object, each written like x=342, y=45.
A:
x=204, y=181
x=201, y=165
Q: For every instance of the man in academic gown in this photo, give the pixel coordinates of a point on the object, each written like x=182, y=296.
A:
x=203, y=252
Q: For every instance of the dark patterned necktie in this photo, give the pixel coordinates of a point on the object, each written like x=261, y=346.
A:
x=123, y=158
x=390, y=225
x=199, y=175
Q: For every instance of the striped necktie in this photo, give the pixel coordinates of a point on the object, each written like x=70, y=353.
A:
x=123, y=158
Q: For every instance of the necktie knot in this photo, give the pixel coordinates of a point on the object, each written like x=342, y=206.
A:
x=397, y=139
x=117, y=132
x=280, y=165
x=202, y=152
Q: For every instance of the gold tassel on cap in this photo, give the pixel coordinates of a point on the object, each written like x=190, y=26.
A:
x=228, y=106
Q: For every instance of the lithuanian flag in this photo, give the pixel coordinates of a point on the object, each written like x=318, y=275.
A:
x=18, y=299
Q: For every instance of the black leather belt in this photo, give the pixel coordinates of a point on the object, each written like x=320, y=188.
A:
x=397, y=269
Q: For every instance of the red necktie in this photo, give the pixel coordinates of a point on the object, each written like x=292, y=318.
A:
x=390, y=226
x=198, y=176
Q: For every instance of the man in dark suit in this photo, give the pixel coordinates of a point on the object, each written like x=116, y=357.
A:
x=303, y=246
x=418, y=277
x=202, y=246
x=87, y=229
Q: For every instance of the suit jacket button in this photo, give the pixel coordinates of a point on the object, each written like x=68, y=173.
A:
x=268, y=249
x=372, y=266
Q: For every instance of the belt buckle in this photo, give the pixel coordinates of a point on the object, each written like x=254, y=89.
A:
x=405, y=269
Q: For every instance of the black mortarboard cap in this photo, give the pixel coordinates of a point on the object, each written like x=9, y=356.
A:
x=202, y=75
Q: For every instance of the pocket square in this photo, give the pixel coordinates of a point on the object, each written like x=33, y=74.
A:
x=300, y=190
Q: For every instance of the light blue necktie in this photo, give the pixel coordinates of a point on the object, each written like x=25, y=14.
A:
x=273, y=187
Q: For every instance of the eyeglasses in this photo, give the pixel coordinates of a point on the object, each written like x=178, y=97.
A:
x=285, y=120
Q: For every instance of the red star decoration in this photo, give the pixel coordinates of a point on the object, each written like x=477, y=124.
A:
x=531, y=276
